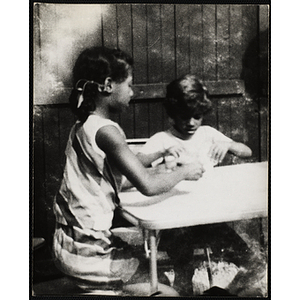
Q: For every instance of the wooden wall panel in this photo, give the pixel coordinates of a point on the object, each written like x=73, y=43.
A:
x=182, y=40
x=238, y=121
x=236, y=41
x=196, y=40
x=127, y=121
x=154, y=43
x=250, y=49
x=222, y=25
x=139, y=35
x=124, y=27
x=156, y=118
x=52, y=162
x=253, y=130
x=110, y=30
x=39, y=191
x=224, y=116
x=168, y=42
x=209, y=42
x=264, y=134
x=141, y=119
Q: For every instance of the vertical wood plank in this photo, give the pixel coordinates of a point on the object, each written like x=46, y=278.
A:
x=168, y=42
x=156, y=116
x=264, y=49
x=166, y=120
x=238, y=122
x=139, y=34
x=154, y=48
x=250, y=24
x=52, y=163
x=264, y=138
x=182, y=40
x=264, y=80
x=263, y=17
x=47, y=17
x=250, y=73
x=235, y=43
x=126, y=120
x=37, y=64
x=222, y=41
x=110, y=37
x=252, y=125
x=124, y=27
x=38, y=204
x=141, y=115
x=209, y=42
x=196, y=44
x=74, y=28
x=224, y=116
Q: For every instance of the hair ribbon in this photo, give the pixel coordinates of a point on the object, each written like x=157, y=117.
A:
x=81, y=89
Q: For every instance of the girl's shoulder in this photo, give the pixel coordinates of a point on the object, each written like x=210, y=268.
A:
x=99, y=121
x=95, y=122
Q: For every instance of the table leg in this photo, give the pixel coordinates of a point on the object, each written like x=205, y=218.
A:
x=153, y=262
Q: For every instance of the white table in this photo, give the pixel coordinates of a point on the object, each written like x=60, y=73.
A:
x=224, y=194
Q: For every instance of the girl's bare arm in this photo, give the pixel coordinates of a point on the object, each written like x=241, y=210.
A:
x=148, y=159
x=149, y=181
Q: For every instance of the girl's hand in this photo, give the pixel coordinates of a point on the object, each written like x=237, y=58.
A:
x=195, y=171
x=218, y=151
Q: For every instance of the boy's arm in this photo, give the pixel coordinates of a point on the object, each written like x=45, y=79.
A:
x=219, y=149
x=240, y=149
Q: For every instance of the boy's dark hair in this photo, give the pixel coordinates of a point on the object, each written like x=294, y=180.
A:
x=93, y=66
x=186, y=97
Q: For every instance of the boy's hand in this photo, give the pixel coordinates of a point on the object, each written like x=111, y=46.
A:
x=175, y=151
x=218, y=151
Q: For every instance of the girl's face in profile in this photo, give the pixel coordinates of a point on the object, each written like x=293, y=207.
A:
x=187, y=125
x=121, y=94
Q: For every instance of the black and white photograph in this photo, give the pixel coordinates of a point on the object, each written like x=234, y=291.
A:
x=150, y=149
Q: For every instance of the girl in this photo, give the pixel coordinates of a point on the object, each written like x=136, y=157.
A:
x=97, y=159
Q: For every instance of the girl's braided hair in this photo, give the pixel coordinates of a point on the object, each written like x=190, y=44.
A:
x=91, y=69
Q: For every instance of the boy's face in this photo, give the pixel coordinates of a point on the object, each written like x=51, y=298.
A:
x=187, y=125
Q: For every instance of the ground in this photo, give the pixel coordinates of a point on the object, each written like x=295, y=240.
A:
x=248, y=252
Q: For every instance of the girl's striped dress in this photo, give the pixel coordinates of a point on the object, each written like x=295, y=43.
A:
x=83, y=245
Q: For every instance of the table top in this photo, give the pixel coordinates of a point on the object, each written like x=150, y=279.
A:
x=226, y=194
